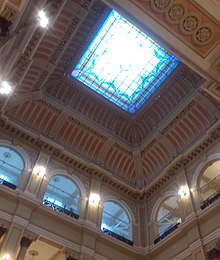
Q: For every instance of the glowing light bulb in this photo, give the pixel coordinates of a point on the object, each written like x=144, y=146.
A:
x=6, y=257
x=94, y=199
x=43, y=20
x=5, y=88
x=183, y=191
x=39, y=170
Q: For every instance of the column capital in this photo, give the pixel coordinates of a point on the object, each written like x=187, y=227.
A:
x=30, y=235
x=70, y=258
x=213, y=249
x=26, y=242
x=70, y=255
x=213, y=254
x=2, y=231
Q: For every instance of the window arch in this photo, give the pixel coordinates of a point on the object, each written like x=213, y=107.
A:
x=116, y=221
x=209, y=180
x=11, y=165
x=63, y=195
x=168, y=214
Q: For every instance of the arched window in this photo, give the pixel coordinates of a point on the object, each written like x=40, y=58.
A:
x=63, y=195
x=11, y=165
x=116, y=221
x=168, y=215
x=209, y=181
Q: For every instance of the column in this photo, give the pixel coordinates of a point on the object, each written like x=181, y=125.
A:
x=92, y=212
x=24, y=244
x=11, y=242
x=186, y=202
x=37, y=176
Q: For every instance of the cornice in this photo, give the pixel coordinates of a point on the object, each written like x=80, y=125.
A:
x=104, y=176
x=186, y=21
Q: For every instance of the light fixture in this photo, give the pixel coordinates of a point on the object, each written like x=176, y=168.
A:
x=5, y=88
x=94, y=199
x=43, y=20
x=33, y=253
x=183, y=191
x=39, y=170
x=6, y=257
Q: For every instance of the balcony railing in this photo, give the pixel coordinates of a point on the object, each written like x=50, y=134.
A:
x=166, y=233
x=60, y=209
x=210, y=200
x=8, y=184
x=121, y=238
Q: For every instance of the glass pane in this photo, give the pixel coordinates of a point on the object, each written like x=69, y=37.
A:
x=64, y=193
x=123, y=64
x=210, y=180
x=115, y=219
x=168, y=214
x=11, y=165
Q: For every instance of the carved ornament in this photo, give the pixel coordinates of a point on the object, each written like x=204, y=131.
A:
x=186, y=21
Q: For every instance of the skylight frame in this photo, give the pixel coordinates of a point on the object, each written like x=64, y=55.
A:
x=166, y=63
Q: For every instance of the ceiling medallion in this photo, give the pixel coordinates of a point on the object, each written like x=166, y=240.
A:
x=33, y=253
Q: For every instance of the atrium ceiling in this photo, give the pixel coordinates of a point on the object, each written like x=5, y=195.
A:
x=136, y=150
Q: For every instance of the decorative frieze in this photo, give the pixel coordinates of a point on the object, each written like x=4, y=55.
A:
x=175, y=13
x=112, y=181
x=186, y=20
x=189, y=23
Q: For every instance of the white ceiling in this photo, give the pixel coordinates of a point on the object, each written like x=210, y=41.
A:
x=44, y=251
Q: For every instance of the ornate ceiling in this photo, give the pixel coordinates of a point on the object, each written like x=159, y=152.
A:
x=48, y=104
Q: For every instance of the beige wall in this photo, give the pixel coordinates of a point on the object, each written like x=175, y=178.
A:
x=22, y=213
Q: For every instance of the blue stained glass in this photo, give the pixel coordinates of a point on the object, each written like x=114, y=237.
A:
x=123, y=64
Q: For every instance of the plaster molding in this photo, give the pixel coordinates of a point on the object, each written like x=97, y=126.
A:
x=53, y=237
x=186, y=21
x=20, y=221
x=6, y=216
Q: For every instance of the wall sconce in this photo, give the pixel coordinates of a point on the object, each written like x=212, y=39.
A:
x=183, y=191
x=39, y=170
x=94, y=199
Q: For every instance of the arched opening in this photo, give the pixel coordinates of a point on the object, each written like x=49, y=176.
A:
x=168, y=216
x=63, y=195
x=116, y=221
x=11, y=165
x=209, y=181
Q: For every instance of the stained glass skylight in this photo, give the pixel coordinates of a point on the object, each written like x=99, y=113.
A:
x=123, y=64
